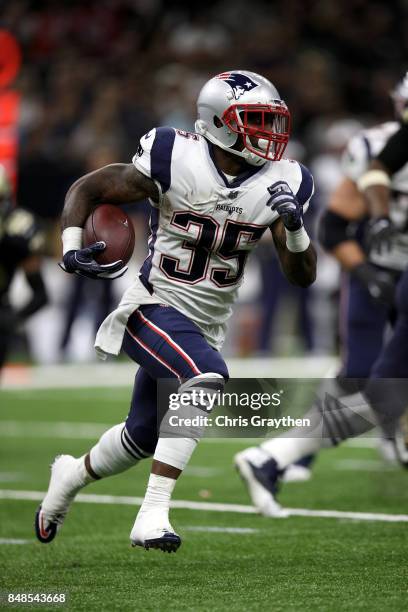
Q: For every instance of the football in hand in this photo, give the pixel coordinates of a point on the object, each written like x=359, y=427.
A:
x=112, y=225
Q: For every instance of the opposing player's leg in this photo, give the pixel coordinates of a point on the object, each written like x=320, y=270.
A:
x=383, y=402
x=387, y=389
x=401, y=440
x=362, y=325
x=116, y=451
x=332, y=420
x=301, y=471
x=170, y=346
x=262, y=467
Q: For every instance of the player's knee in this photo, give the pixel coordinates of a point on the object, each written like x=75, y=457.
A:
x=141, y=438
x=204, y=389
x=217, y=369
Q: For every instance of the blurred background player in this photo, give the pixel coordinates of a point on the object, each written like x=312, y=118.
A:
x=377, y=186
x=373, y=253
x=377, y=182
x=21, y=247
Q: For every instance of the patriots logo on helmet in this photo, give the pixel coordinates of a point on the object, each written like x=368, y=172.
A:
x=239, y=83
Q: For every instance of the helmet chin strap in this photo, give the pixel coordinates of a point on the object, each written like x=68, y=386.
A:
x=250, y=158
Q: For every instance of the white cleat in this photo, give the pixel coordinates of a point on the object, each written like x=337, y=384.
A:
x=401, y=440
x=296, y=473
x=261, y=481
x=152, y=529
x=64, y=485
x=387, y=450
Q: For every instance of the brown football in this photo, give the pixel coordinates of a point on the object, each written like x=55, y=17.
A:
x=112, y=225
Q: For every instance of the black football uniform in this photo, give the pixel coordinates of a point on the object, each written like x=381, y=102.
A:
x=395, y=153
x=20, y=238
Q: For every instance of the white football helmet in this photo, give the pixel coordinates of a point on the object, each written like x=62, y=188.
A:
x=399, y=96
x=242, y=106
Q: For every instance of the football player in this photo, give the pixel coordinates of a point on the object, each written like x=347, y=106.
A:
x=377, y=260
x=377, y=186
x=21, y=246
x=213, y=194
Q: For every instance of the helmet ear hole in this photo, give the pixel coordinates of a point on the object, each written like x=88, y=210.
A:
x=217, y=122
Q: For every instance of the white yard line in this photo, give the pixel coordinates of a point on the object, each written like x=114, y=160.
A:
x=15, y=541
x=239, y=530
x=52, y=429
x=198, y=528
x=121, y=374
x=202, y=471
x=354, y=516
x=88, y=431
x=211, y=507
x=194, y=528
x=11, y=476
x=365, y=465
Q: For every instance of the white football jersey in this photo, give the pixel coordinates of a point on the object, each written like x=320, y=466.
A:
x=202, y=229
x=360, y=150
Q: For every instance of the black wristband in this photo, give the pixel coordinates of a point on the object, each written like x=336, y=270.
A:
x=332, y=230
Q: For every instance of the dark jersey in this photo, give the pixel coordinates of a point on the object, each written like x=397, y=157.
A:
x=395, y=154
x=20, y=238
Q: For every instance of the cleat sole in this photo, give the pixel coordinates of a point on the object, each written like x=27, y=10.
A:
x=44, y=535
x=167, y=543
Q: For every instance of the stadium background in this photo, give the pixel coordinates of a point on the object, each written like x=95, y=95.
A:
x=98, y=75
x=95, y=77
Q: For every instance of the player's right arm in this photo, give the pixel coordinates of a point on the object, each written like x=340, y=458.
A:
x=115, y=184
x=346, y=206
x=375, y=184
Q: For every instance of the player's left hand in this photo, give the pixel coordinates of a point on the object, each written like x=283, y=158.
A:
x=82, y=262
x=381, y=284
x=286, y=204
x=380, y=234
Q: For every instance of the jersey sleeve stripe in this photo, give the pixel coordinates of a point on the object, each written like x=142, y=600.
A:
x=160, y=156
x=154, y=224
x=306, y=188
x=368, y=148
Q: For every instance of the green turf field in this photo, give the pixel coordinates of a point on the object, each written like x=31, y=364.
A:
x=299, y=563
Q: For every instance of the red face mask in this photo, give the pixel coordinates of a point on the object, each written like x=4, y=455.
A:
x=265, y=128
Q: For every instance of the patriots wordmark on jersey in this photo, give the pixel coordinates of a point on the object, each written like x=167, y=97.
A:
x=366, y=145
x=202, y=230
